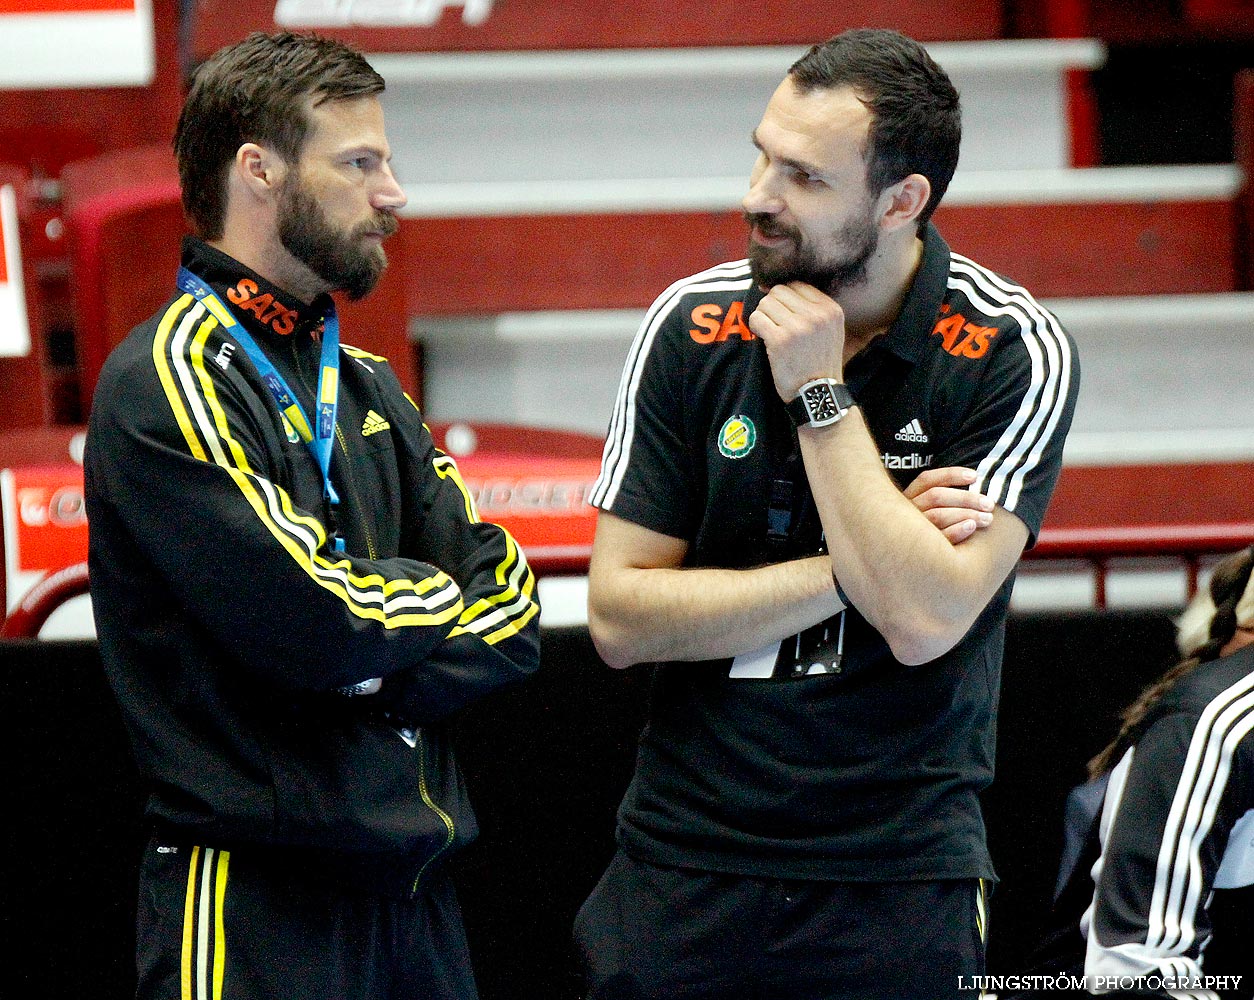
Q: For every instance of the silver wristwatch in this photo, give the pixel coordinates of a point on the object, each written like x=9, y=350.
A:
x=823, y=401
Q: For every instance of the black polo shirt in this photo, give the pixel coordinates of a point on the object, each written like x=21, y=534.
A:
x=825, y=757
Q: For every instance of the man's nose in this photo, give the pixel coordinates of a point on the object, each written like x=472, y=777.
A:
x=762, y=198
x=390, y=195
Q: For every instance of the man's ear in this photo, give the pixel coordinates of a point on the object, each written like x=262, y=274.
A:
x=903, y=202
x=259, y=171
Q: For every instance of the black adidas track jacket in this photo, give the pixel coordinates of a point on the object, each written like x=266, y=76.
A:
x=228, y=625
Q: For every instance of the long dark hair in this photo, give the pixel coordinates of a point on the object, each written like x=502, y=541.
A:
x=1204, y=629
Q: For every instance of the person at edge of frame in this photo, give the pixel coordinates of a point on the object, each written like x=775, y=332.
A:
x=1156, y=891
x=804, y=816
x=292, y=587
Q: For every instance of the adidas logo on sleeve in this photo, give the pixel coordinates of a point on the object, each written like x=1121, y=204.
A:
x=913, y=431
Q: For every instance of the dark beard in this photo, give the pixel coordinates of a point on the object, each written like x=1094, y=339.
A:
x=771, y=266
x=337, y=258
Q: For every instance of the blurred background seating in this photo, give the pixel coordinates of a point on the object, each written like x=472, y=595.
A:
x=562, y=170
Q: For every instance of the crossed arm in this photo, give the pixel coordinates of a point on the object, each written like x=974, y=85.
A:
x=919, y=592
x=643, y=605
x=910, y=562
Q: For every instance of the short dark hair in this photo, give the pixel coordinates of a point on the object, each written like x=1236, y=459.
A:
x=916, y=119
x=254, y=91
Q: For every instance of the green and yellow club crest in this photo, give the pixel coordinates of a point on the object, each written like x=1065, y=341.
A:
x=737, y=437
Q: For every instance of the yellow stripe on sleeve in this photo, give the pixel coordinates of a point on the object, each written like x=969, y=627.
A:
x=446, y=468
x=189, y=926
x=394, y=603
x=219, y=927
x=489, y=612
x=167, y=379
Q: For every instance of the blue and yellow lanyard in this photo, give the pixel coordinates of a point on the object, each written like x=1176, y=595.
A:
x=319, y=439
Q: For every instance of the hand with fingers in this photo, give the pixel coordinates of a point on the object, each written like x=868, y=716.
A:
x=804, y=333
x=943, y=497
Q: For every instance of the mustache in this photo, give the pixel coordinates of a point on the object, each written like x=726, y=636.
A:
x=767, y=224
x=383, y=223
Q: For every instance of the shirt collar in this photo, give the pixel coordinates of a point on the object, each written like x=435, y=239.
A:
x=264, y=309
x=753, y=297
x=913, y=325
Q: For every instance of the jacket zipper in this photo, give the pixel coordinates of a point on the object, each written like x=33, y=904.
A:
x=352, y=486
x=423, y=789
x=426, y=798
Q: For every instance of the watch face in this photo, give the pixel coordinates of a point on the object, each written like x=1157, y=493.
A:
x=821, y=402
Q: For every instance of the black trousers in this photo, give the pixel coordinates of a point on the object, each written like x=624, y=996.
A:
x=216, y=925
x=651, y=933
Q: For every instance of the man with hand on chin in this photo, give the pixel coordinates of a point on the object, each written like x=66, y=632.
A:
x=291, y=586
x=804, y=817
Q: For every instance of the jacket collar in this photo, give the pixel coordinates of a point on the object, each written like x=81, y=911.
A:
x=265, y=310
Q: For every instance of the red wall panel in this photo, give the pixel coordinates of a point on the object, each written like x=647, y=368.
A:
x=1128, y=496
x=558, y=24
x=1141, y=248
x=62, y=6
x=623, y=261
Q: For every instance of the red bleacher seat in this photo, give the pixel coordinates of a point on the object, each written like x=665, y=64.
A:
x=124, y=223
x=42, y=150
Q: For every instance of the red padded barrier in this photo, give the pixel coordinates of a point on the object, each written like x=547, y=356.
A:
x=533, y=481
x=38, y=604
x=35, y=447
x=536, y=482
